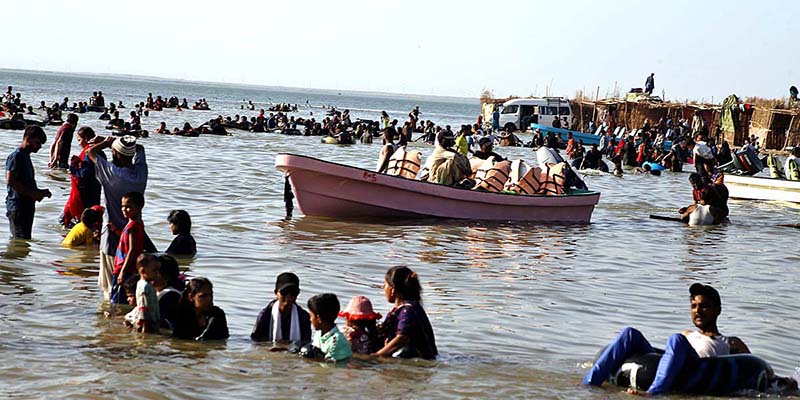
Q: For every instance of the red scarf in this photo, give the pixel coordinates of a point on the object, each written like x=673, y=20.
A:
x=74, y=207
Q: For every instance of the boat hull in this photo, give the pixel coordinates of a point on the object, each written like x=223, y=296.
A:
x=338, y=191
x=762, y=188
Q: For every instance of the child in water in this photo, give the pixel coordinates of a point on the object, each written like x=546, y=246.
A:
x=84, y=233
x=407, y=329
x=131, y=243
x=323, y=309
x=145, y=316
x=360, y=328
x=180, y=223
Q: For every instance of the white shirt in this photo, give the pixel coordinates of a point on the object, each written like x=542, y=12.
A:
x=701, y=149
x=707, y=346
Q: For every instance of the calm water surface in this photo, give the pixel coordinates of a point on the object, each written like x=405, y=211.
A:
x=518, y=309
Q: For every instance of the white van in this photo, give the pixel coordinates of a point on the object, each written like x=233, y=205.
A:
x=519, y=114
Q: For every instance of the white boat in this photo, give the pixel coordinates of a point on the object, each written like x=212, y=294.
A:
x=762, y=188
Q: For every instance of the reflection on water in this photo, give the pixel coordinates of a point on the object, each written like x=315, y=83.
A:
x=517, y=308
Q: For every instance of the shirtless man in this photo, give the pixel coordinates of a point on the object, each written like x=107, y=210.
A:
x=682, y=350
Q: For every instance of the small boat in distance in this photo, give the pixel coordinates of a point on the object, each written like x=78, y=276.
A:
x=334, y=190
x=762, y=188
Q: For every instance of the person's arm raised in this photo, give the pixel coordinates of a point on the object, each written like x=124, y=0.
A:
x=99, y=144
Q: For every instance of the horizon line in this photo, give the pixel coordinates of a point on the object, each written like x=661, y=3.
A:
x=218, y=83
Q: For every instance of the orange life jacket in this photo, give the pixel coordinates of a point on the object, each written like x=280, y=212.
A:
x=404, y=163
x=552, y=179
x=528, y=184
x=494, y=178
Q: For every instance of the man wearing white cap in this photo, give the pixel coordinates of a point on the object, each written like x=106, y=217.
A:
x=127, y=172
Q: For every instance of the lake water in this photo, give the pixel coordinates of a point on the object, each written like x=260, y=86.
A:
x=519, y=310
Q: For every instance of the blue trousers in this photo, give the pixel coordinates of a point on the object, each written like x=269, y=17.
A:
x=678, y=353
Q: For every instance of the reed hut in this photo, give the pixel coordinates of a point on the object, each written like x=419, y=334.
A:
x=775, y=128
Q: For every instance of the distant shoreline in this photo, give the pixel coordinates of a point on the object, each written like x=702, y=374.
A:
x=130, y=77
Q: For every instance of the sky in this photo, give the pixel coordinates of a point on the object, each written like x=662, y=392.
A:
x=698, y=50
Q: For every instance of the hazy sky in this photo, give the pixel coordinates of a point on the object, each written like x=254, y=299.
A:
x=697, y=49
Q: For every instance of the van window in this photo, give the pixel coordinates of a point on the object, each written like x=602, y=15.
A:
x=547, y=110
x=564, y=110
x=526, y=110
x=512, y=109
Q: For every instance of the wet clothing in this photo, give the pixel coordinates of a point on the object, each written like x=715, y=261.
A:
x=410, y=320
x=678, y=369
x=361, y=342
x=591, y=159
x=64, y=134
x=79, y=235
x=333, y=344
x=186, y=325
x=20, y=208
x=20, y=165
x=126, y=249
x=85, y=189
x=263, y=330
x=182, y=245
x=169, y=300
x=146, y=309
x=116, y=181
x=714, y=195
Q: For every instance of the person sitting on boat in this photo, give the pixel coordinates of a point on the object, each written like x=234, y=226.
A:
x=714, y=195
x=557, y=122
x=445, y=166
x=679, y=367
x=486, y=150
x=386, y=151
x=792, y=166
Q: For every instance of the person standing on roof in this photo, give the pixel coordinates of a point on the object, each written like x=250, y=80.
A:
x=650, y=83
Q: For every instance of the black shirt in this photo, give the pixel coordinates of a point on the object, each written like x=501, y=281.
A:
x=186, y=326
x=183, y=245
x=485, y=156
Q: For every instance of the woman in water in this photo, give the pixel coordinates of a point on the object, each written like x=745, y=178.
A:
x=198, y=318
x=407, y=329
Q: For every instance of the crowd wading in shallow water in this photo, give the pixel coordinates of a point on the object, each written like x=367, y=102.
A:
x=108, y=182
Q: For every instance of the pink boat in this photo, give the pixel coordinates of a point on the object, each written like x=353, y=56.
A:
x=334, y=190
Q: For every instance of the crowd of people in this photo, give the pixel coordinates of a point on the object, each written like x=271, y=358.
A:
x=148, y=288
x=149, y=292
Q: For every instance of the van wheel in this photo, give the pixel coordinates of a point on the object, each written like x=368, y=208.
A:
x=510, y=127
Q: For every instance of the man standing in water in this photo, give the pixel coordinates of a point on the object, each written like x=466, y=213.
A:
x=59, y=150
x=127, y=172
x=682, y=351
x=21, y=184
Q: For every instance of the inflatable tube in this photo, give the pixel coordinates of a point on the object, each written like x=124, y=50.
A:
x=654, y=166
x=710, y=376
x=333, y=140
x=33, y=121
x=12, y=124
